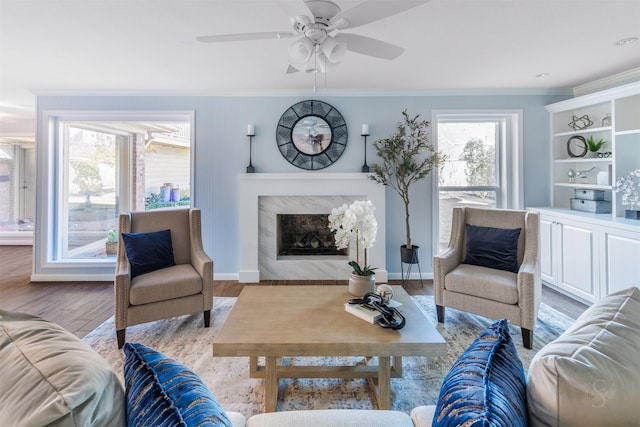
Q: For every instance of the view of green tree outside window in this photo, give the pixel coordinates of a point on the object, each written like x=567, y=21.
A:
x=470, y=174
x=90, y=191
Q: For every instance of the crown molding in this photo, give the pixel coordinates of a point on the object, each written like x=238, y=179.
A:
x=629, y=76
x=605, y=95
x=310, y=92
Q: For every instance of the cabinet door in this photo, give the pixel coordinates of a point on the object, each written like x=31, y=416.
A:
x=580, y=263
x=547, y=250
x=622, y=261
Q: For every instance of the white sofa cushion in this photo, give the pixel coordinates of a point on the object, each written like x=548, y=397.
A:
x=422, y=416
x=331, y=417
x=590, y=375
x=50, y=377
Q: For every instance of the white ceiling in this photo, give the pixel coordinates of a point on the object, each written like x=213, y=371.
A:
x=98, y=46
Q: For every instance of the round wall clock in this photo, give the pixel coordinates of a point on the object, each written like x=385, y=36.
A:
x=577, y=146
x=311, y=135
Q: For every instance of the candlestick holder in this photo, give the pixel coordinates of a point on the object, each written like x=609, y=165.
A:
x=250, y=133
x=365, y=134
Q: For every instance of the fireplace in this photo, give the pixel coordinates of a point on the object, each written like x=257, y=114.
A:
x=306, y=235
x=266, y=197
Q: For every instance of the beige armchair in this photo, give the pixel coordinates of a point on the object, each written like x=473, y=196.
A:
x=486, y=291
x=185, y=288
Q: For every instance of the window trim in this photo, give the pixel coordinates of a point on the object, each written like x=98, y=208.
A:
x=510, y=157
x=49, y=189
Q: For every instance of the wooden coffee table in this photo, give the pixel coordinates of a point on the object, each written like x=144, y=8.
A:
x=287, y=321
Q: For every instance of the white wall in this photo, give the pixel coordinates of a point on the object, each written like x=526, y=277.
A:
x=221, y=155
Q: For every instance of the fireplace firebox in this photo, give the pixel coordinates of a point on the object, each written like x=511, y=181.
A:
x=306, y=235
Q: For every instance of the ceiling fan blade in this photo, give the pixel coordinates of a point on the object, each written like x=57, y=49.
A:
x=291, y=69
x=245, y=36
x=371, y=11
x=371, y=47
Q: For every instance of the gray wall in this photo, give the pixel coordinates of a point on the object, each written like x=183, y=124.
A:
x=221, y=153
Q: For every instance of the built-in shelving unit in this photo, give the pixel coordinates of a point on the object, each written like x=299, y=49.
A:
x=589, y=255
x=621, y=107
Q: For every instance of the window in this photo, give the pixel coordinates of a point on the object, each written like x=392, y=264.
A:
x=483, y=163
x=17, y=177
x=110, y=166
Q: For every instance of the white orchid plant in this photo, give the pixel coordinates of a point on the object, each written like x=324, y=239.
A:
x=629, y=186
x=358, y=222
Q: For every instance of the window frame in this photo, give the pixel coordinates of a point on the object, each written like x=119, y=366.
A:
x=50, y=187
x=509, y=167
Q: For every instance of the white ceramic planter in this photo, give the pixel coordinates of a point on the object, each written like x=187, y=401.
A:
x=360, y=285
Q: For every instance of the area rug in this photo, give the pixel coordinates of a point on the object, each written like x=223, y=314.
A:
x=186, y=340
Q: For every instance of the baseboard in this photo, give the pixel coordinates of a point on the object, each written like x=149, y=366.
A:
x=72, y=277
x=412, y=276
x=18, y=238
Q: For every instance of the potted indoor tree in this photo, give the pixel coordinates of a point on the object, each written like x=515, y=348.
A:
x=406, y=157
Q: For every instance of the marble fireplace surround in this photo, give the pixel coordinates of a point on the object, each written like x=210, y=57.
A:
x=264, y=195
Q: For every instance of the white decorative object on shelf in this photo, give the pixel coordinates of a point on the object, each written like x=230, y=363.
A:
x=629, y=187
x=604, y=178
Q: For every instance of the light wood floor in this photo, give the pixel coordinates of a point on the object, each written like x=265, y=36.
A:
x=81, y=306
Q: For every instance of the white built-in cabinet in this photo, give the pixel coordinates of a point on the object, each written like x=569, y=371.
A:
x=565, y=248
x=588, y=255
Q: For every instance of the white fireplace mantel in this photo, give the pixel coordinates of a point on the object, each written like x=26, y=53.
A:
x=314, y=184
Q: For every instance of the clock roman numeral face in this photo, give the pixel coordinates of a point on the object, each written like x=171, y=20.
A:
x=311, y=135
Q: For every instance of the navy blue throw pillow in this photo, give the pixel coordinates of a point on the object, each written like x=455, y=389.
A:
x=148, y=252
x=493, y=247
x=163, y=392
x=486, y=386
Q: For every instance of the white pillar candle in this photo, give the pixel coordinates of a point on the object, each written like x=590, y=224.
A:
x=365, y=129
x=251, y=130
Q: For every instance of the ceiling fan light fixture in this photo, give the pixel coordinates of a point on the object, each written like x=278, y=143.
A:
x=300, y=23
x=334, y=49
x=301, y=51
x=323, y=64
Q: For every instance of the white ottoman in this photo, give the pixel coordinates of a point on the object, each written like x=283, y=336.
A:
x=590, y=375
x=50, y=377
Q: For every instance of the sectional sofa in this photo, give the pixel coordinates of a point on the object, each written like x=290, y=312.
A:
x=588, y=376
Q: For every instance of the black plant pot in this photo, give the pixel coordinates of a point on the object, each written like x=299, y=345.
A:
x=409, y=256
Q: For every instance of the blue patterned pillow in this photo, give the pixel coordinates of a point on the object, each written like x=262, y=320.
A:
x=486, y=385
x=148, y=252
x=163, y=392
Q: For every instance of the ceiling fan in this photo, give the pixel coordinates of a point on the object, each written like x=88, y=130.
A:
x=321, y=43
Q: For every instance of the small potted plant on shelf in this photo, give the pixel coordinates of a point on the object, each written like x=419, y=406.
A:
x=594, y=146
x=406, y=157
x=111, y=245
x=629, y=187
